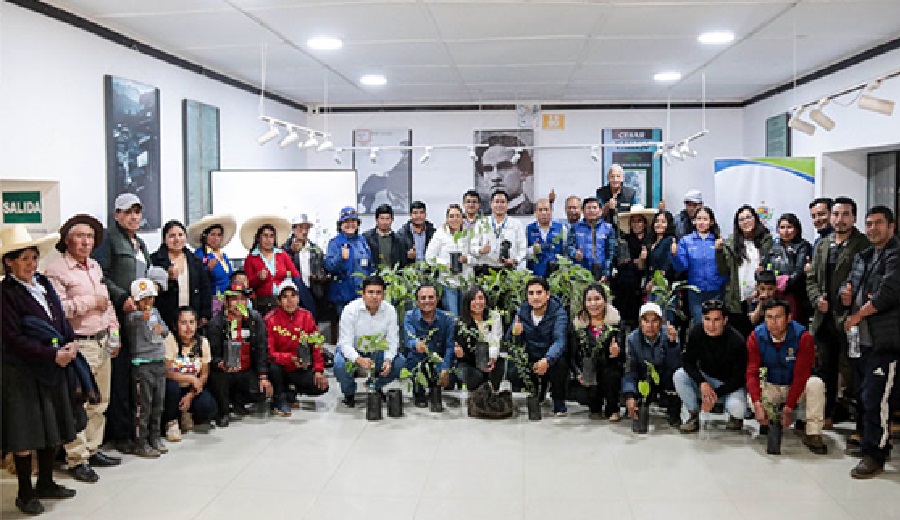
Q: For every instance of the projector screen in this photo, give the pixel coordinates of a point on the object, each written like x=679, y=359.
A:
x=319, y=193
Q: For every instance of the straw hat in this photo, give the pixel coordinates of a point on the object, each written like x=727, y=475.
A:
x=249, y=227
x=636, y=209
x=15, y=237
x=195, y=230
x=80, y=218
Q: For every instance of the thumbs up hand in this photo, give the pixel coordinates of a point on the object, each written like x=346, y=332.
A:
x=517, y=328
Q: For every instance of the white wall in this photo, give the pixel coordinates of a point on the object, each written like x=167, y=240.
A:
x=443, y=179
x=51, y=113
x=856, y=130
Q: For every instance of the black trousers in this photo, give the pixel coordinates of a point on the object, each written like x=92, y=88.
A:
x=881, y=398
x=602, y=397
x=121, y=415
x=473, y=378
x=665, y=395
x=238, y=387
x=831, y=344
x=556, y=379
x=304, y=381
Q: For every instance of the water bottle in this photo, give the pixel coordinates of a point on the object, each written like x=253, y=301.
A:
x=151, y=323
x=113, y=341
x=705, y=425
x=853, y=343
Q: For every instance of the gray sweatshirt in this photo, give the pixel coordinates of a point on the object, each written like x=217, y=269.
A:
x=143, y=345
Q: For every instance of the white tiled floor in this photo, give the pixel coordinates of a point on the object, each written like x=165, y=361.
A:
x=332, y=464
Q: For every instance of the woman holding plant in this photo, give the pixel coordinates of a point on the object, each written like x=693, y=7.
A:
x=295, y=350
x=447, y=247
x=477, y=341
x=596, y=358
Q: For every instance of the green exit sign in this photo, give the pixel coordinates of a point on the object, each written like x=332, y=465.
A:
x=22, y=207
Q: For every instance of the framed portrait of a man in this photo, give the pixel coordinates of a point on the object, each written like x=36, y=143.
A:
x=502, y=163
x=387, y=179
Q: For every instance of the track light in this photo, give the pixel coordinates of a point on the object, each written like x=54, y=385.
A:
x=516, y=156
x=667, y=158
x=312, y=142
x=373, y=155
x=595, y=154
x=798, y=124
x=869, y=102
x=268, y=136
x=675, y=153
x=820, y=118
x=472, y=154
x=660, y=151
x=326, y=145
x=290, y=138
x=426, y=155
x=685, y=150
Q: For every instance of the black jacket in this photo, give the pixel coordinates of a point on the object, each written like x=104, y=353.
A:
x=723, y=358
x=624, y=200
x=198, y=277
x=581, y=341
x=880, y=283
x=398, y=248
x=407, y=237
x=219, y=331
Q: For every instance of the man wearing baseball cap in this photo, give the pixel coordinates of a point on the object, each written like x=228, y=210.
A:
x=307, y=257
x=123, y=256
x=657, y=344
x=684, y=221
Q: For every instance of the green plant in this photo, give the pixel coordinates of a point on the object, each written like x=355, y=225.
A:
x=772, y=411
x=666, y=292
x=368, y=344
x=644, y=384
x=519, y=357
x=568, y=283
x=233, y=323
x=538, y=247
x=590, y=346
x=505, y=289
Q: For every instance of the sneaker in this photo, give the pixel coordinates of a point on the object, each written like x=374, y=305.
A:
x=187, y=422
x=561, y=413
x=84, y=473
x=816, y=444
x=349, y=400
x=282, y=408
x=734, y=424
x=615, y=417
x=692, y=425
x=159, y=446
x=146, y=451
x=173, y=432
x=867, y=468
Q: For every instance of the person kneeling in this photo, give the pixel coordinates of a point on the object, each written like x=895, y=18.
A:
x=787, y=351
x=187, y=374
x=429, y=334
x=287, y=326
x=657, y=345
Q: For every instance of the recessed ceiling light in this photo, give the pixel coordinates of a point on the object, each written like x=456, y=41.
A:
x=667, y=76
x=716, y=37
x=373, y=80
x=324, y=44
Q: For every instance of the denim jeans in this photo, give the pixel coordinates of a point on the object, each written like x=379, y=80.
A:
x=689, y=392
x=450, y=300
x=347, y=380
x=203, y=406
x=695, y=303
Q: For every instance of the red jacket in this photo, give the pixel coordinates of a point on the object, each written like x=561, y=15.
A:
x=282, y=329
x=253, y=264
x=806, y=356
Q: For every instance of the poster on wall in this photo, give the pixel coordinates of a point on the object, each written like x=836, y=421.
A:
x=201, y=156
x=503, y=164
x=385, y=176
x=643, y=171
x=132, y=146
x=751, y=181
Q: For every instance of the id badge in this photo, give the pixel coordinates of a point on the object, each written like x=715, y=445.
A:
x=364, y=262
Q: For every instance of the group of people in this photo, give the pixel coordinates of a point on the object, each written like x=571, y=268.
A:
x=115, y=344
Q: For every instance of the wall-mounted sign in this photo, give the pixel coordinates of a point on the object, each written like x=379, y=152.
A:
x=643, y=171
x=553, y=121
x=778, y=136
x=22, y=207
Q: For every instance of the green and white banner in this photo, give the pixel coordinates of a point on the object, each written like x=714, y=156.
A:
x=772, y=185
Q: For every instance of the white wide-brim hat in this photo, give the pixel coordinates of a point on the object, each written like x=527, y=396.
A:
x=195, y=230
x=249, y=227
x=16, y=236
x=636, y=209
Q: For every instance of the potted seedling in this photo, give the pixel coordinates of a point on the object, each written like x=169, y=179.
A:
x=589, y=350
x=642, y=423
x=524, y=367
x=424, y=374
x=317, y=264
x=666, y=293
x=568, y=282
x=455, y=256
x=370, y=344
x=233, y=346
x=775, y=431
x=474, y=343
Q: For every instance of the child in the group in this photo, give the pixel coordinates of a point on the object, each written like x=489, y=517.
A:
x=147, y=331
x=766, y=288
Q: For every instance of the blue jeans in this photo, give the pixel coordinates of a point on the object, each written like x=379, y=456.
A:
x=348, y=381
x=695, y=303
x=689, y=392
x=450, y=300
x=203, y=406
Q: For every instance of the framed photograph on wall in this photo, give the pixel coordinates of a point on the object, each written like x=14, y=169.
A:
x=132, y=146
x=201, y=156
x=643, y=171
x=502, y=163
x=384, y=177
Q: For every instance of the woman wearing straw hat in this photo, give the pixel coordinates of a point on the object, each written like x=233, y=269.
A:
x=188, y=283
x=267, y=265
x=209, y=236
x=37, y=412
x=633, y=252
x=348, y=253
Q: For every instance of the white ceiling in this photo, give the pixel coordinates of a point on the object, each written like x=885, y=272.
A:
x=474, y=51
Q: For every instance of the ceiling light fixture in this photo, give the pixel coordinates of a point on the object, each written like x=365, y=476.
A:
x=869, y=102
x=326, y=145
x=660, y=151
x=667, y=76
x=312, y=142
x=290, y=138
x=268, y=136
x=324, y=43
x=716, y=37
x=819, y=117
x=675, y=153
x=800, y=125
x=685, y=150
x=373, y=80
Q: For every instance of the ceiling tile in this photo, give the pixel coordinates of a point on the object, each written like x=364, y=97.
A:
x=515, y=51
x=482, y=20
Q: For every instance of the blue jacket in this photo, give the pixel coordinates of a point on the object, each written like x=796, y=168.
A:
x=440, y=342
x=597, y=243
x=345, y=287
x=779, y=362
x=697, y=256
x=547, y=339
x=552, y=246
x=665, y=356
x=219, y=277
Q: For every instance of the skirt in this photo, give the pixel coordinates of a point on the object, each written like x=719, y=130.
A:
x=34, y=415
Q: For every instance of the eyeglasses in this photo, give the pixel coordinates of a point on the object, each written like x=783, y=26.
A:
x=503, y=165
x=745, y=218
x=712, y=305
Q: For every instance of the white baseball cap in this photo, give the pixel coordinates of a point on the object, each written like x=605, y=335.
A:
x=142, y=288
x=286, y=284
x=650, y=307
x=125, y=201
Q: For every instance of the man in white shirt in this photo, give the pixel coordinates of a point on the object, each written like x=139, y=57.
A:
x=367, y=316
x=489, y=248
